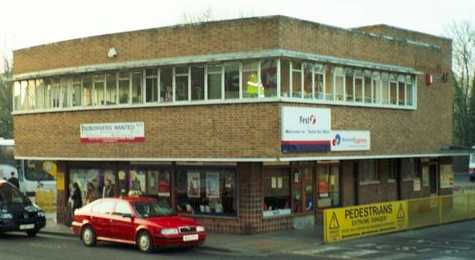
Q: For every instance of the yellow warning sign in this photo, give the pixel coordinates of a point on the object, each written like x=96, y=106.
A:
x=364, y=220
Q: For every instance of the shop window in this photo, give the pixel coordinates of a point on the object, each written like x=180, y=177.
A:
x=206, y=191
x=181, y=83
x=349, y=85
x=339, y=83
x=231, y=81
x=284, y=78
x=123, y=182
x=269, y=77
x=408, y=169
x=86, y=91
x=111, y=89
x=77, y=92
x=376, y=87
x=124, y=87
x=151, y=85
x=409, y=90
x=251, y=83
x=89, y=182
x=276, y=189
x=389, y=168
x=137, y=87
x=215, y=81
x=308, y=91
x=367, y=87
x=319, y=82
x=40, y=93
x=166, y=85
x=359, y=85
x=108, y=187
x=197, y=82
x=302, y=190
x=328, y=185
x=158, y=185
x=98, y=90
x=393, y=89
x=385, y=88
x=297, y=79
x=136, y=184
x=367, y=171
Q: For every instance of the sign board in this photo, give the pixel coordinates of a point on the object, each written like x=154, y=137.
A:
x=350, y=141
x=417, y=184
x=132, y=132
x=305, y=129
x=370, y=219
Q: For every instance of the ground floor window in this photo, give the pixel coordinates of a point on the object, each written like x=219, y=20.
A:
x=276, y=189
x=328, y=185
x=206, y=191
x=302, y=190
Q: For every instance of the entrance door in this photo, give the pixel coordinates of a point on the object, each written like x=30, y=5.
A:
x=433, y=177
x=327, y=187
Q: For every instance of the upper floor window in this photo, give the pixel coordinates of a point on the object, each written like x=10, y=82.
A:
x=220, y=82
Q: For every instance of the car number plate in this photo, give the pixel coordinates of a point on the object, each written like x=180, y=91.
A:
x=28, y=226
x=190, y=237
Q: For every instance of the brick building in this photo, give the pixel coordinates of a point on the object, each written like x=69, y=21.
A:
x=250, y=125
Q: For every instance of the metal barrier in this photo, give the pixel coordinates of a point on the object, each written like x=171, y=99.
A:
x=377, y=218
x=46, y=200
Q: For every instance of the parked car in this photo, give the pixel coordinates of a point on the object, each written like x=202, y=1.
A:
x=140, y=221
x=17, y=212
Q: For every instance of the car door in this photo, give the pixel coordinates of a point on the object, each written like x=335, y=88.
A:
x=101, y=218
x=122, y=223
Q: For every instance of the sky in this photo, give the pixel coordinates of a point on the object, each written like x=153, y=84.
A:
x=26, y=23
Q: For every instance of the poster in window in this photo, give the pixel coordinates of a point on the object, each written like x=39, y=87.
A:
x=417, y=184
x=137, y=181
x=164, y=185
x=323, y=188
x=212, y=185
x=194, y=185
x=425, y=176
x=446, y=176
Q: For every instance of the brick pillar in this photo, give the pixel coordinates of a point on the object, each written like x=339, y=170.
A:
x=250, y=197
x=61, y=195
x=347, y=183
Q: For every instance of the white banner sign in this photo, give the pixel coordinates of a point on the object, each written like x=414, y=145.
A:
x=113, y=132
x=350, y=141
x=305, y=129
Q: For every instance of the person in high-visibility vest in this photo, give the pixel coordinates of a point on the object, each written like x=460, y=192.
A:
x=254, y=88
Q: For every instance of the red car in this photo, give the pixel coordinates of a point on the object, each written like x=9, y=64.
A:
x=140, y=221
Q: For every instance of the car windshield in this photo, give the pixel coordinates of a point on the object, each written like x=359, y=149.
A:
x=153, y=208
x=9, y=194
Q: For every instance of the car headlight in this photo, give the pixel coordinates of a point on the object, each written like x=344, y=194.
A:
x=200, y=229
x=169, y=231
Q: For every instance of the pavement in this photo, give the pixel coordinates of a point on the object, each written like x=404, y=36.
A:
x=264, y=244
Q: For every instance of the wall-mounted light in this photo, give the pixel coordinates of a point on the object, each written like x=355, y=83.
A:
x=112, y=53
x=428, y=79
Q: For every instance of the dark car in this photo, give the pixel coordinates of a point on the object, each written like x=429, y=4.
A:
x=140, y=221
x=17, y=212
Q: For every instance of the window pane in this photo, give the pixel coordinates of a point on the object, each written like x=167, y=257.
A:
x=359, y=89
x=77, y=92
x=87, y=91
x=151, y=85
x=269, y=77
x=99, y=90
x=284, y=78
x=166, y=81
x=31, y=95
x=111, y=89
x=276, y=189
x=307, y=81
x=137, y=87
x=329, y=82
x=339, y=84
x=367, y=87
x=302, y=186
x=40, y=94
x=16, y=96
x=197, y=82
x=349, y=84
x=65, y=91
x=124, y=88
x=231, y=81
x=393, y=89
x=376, y=86
x=250, y=80
x=214, y=81
x=296, y=79
x=401, y=91
x=409, y=87
x=385, y=88
x=181, y=83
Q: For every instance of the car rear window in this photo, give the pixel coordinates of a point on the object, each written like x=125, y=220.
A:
x=9, y=194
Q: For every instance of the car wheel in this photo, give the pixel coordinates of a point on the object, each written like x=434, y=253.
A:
x=32, y=233
x=88, y=236
x=144, y=242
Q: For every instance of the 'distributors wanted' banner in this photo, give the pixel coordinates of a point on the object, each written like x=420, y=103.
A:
x=122, y=132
